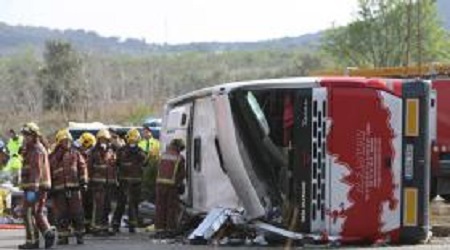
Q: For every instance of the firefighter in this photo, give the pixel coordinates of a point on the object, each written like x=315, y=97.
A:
x=151, y=146
x=69, y=178
x=86, y=143
x=130, y=161
x=169, y=184
x=116, y=141
x=103, y=181
x=35, y=183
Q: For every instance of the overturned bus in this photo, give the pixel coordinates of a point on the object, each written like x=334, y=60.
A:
x=334, y=157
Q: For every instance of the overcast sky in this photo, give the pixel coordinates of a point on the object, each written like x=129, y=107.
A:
x=181, y=21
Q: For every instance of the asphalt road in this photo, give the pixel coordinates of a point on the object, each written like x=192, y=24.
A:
x=9, y=239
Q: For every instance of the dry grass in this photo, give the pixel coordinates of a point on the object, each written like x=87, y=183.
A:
x=124, y=113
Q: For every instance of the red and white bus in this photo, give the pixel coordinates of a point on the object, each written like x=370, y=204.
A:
x=342, y=157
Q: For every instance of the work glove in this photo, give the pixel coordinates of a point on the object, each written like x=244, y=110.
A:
x=31, y=196
x=83, y=187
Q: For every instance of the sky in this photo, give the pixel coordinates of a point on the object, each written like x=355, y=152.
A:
x=182, y=21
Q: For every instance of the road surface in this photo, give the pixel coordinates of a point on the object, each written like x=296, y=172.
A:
x=9, y=239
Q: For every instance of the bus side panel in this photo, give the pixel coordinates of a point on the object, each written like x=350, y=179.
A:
x=364, y=152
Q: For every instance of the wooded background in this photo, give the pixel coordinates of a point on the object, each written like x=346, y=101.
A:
x=79, y=76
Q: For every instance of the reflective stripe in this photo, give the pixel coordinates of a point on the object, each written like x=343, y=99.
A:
x=45, y=184
x=94, y=209
x=410, y=207
x=68, y=185
x=30, y=225
x=58, y=170
x=98, y=179
x=28, y=185
x=63, y=234
x=131, y=178
x=101, y=166
x=169, y=181
x=412, y=117
x=169, y=157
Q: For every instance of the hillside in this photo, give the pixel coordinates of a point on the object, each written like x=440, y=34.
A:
x=14, y=38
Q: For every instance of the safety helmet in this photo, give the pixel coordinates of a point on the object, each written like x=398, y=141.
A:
x=31, y=128
x=178, y=144
x=87, y=140
x=133, y=136
x=62, y=135
x=103, y=133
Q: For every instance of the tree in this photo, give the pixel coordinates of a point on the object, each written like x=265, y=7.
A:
x=389, y=33
x=61, y=76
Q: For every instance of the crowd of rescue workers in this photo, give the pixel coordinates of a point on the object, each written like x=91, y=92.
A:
x=82, y=176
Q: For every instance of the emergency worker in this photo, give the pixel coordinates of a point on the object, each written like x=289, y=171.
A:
x=69, y=178
x=86, y=143
x=13, y=148
x=151, y=147
x=116, y=141
x=169, y=184
x=149, y=144
x=130, y=161
x=103, y=181
x=36, y=183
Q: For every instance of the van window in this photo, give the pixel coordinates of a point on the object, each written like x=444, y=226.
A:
x=183, y=119
x=256, y=108
x=198, y=154
x=177, y=118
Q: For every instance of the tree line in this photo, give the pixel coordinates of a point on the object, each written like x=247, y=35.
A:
x=63, y=84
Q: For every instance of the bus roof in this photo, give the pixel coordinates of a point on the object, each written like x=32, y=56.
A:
x=293, y=82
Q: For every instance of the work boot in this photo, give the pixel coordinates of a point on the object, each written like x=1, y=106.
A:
x=131, y=230
x=63, y=241
x=100, y=233
x=88, y=229
x=80, y=239
x=49, y=238
x=29, y=246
